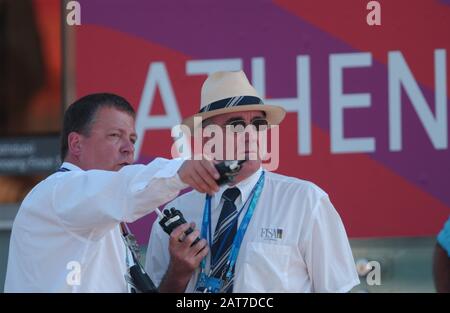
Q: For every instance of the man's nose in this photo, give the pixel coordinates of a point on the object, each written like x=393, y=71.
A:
x=127, y=147
x=253, y=133
x=250, y=135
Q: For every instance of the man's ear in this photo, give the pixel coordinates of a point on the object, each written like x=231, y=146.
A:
x=74, y=141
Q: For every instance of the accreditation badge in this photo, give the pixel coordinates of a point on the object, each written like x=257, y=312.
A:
x=207, y=284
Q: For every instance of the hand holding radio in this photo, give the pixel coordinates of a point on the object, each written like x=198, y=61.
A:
x=228, y=170
x=172, y=219
x=206, y=177
x=186, y=252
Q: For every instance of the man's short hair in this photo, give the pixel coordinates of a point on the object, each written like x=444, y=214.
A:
x=80, y=115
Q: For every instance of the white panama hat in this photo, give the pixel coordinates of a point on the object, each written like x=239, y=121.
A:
x=225, y=92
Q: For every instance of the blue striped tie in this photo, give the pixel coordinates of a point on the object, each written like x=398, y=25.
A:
x=223, y=237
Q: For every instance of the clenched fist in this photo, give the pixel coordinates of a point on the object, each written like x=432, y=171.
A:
x=200, y=175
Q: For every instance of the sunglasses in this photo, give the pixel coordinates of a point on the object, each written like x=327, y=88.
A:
x=238, y=126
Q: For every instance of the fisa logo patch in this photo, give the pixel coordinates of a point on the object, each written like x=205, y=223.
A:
x=271, y=233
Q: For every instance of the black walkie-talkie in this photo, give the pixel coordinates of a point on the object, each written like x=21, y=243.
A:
x=140, y=281
x=228, y=169
x=172, y=219
x=136, y=276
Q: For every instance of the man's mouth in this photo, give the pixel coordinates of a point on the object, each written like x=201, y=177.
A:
x=124, y=163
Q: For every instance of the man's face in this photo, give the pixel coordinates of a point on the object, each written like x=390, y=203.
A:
x=246, y=143
x=110, y=144
x=241, y=143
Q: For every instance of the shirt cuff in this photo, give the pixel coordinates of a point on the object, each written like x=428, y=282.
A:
x=177, y=183
x=170, y=171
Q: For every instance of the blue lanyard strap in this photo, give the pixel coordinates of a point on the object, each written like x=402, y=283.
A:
x=206, y=231
x=206, y=225
x=243, y=227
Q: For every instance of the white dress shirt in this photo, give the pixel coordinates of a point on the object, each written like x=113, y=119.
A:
x=66, y=235
x=295, y=241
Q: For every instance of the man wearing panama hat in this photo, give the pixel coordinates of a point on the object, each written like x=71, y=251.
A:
x=266, y=232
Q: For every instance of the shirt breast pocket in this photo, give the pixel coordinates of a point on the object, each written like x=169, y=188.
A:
x=265, y=268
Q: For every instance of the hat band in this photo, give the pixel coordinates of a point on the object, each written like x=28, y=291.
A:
x=231, y=102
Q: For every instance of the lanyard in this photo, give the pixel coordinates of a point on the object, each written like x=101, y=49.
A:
x=206, y=224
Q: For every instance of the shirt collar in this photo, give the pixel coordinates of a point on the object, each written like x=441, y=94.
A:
x=245, y=187
x=70, y=166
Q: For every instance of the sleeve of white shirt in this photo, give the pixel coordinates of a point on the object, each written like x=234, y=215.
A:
x=91, y=202
x=328, y=255
x=157, y=257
